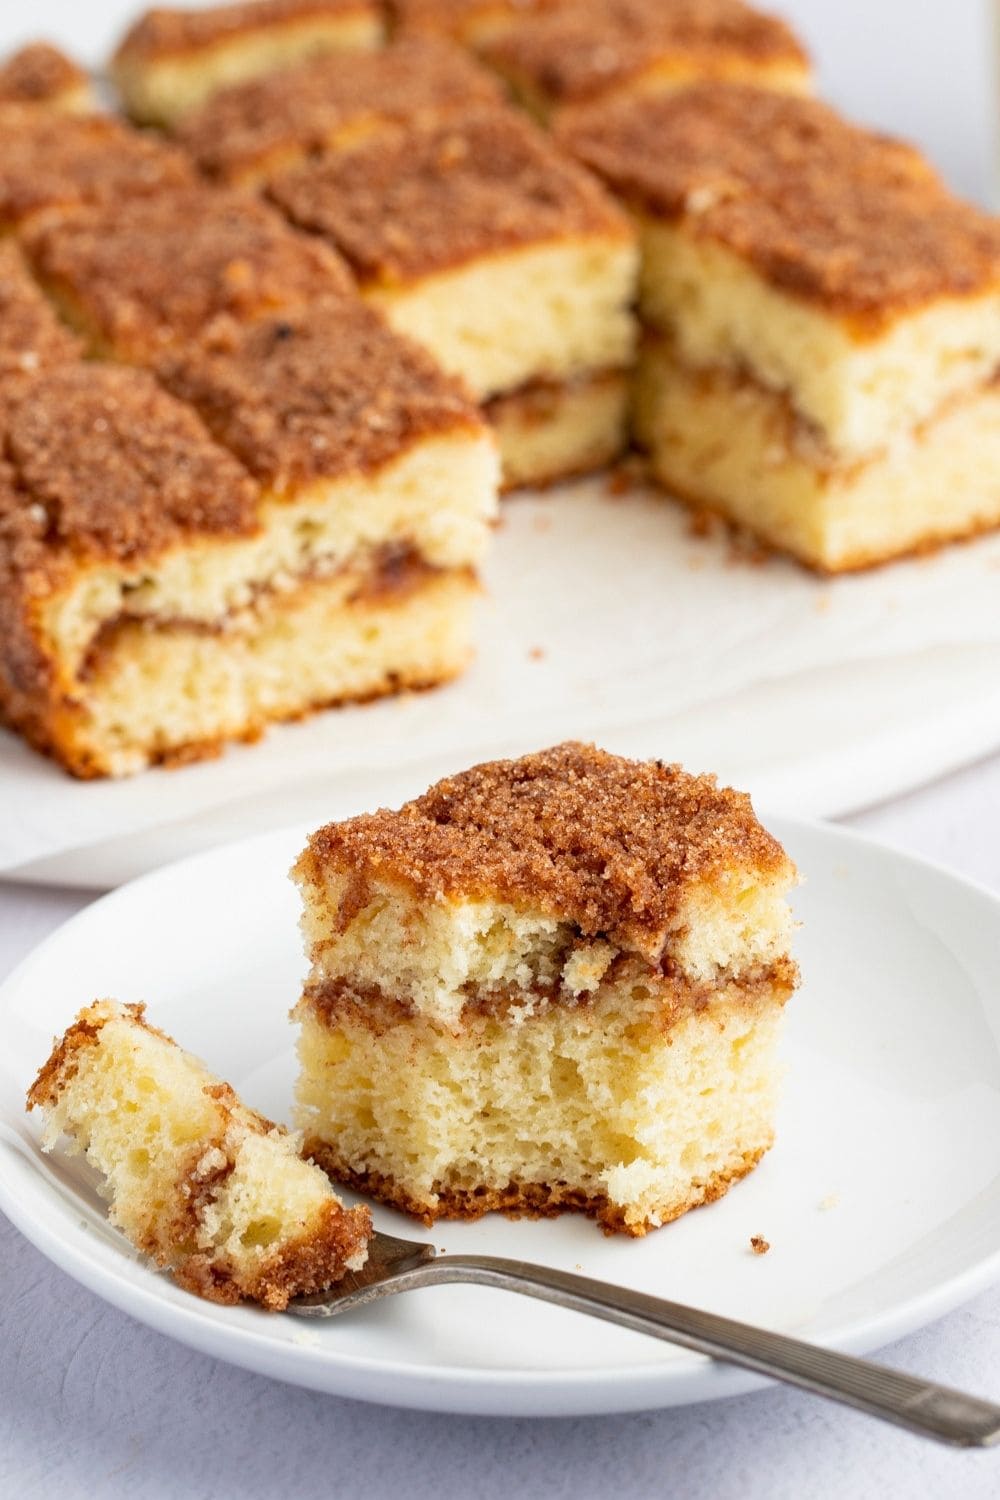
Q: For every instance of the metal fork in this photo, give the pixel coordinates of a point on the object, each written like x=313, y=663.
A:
x=934, y=1411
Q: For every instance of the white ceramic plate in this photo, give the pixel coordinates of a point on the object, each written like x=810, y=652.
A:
x=881, y=1198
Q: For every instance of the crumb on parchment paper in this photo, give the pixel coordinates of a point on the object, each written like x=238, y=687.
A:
x=759, y=1245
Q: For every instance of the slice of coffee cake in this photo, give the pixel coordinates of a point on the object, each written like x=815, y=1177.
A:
x=254, y=130
x=551, y=983
x=209, y=1189
x=823, y=322
x=506, y=261
x=170, y=61
x=572, y=54
x=157, y=601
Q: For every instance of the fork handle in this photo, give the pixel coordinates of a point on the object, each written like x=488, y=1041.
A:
x=934, y=1411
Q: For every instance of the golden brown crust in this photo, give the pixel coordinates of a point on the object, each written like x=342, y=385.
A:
x=317, y=393
x=824, y=210
x=611, y=845
x=40, y=74
x=164, y=32
x=405, y=204
x=139, y=278
x=521, y=1200
x=580, y=51
x=269, y=122
x=57, y=161
x=31, y=336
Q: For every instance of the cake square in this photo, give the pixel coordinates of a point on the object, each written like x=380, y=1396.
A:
x=574, y=53
x=41, y=74
x=162, y=595
x=206, y=1187
x=549, y=983
x=817, y=305
x=171, y=60
x=251, y=131
x=31, y=336
x=52, y=162
x=479, y=240
x=137, y=278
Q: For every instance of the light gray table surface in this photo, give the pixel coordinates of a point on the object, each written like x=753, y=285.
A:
x=94, y=1405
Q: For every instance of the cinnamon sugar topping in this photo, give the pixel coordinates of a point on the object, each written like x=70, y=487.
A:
x=304, y=110
x=31, y=336
x=140, y=277
x=100, y=462
x=50, y=160
x=577, y=51
x=412, y=202
x=612, y=845
x=823, y=209
x=318, y=392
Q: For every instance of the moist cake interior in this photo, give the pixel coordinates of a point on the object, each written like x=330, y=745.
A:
x=549, y=983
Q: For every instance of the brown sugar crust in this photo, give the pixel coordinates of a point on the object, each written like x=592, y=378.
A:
x=610, y=844
x=163, y=32
x=39, y=74
x=317, y=393
x=141, y=277
x=853, y=221
x=531, y=1200
x=579, y=51
x=58, y=161
x=304, y=110
x=409, y=203
x=103, y=464
x=31, y=336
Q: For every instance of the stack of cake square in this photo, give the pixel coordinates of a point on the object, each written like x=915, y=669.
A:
x=822, y=322
x=550, y=983
x=464, y=225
